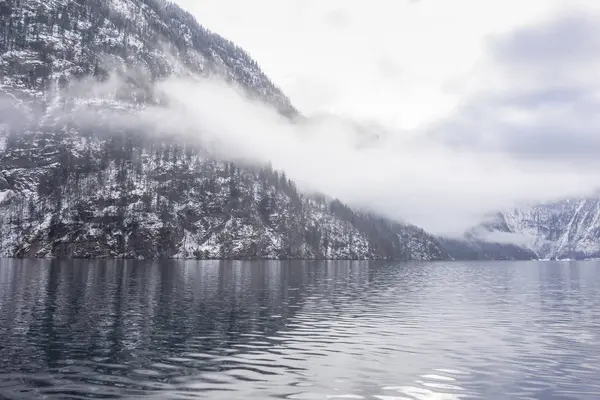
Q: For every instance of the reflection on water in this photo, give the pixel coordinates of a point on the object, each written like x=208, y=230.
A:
x=299, y=330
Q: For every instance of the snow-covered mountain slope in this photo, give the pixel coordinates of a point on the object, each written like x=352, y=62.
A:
x=563, y=229
x=72, y=190
x=112, y=199
x=50, y=42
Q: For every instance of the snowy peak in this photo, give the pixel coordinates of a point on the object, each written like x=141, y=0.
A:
x=563, y=229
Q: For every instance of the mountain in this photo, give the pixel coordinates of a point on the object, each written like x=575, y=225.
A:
x=566, y=229
x=72, y=189
x=51, y=42
x=472, y=247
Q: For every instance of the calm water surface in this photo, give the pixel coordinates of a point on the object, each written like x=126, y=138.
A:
x=299, y=330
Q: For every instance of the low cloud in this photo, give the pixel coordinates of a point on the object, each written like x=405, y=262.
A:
x=525, y=131
x=408, y=177
x=518, y=239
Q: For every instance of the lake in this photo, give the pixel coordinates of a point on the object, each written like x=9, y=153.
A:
x=299, y=330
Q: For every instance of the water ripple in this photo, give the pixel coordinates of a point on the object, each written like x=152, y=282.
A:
x=338, y=330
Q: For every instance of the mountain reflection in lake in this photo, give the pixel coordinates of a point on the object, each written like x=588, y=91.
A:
x=299, y=330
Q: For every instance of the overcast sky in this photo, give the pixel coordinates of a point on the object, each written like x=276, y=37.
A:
x=519, y=80
x=401, y=61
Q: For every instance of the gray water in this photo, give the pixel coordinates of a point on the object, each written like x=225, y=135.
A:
x=299, y=330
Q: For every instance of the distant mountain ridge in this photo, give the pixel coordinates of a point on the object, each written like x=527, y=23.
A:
x=566, y=229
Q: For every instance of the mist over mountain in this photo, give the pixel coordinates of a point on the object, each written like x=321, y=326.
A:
x=129, y=130
x=93, y=166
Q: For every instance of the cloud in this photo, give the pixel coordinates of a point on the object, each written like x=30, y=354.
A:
x=554, y=47
x=387, y=60
x=440, y=188
x=522, y=129
x=538, y=95
x=519, y=239
x=337, y=18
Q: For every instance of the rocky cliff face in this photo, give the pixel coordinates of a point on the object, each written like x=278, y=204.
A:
x=563, y=229
x=68, y=190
